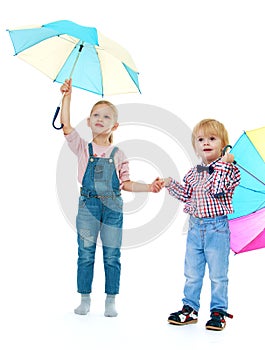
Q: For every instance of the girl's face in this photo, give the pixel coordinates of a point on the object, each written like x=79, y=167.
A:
x=208, y=147
x=102, y=120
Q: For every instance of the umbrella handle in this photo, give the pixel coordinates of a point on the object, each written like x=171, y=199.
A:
x=225, y=149
x=54, y=118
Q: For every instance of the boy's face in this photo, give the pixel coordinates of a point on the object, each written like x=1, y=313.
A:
x=208, y=147
x=102, y=120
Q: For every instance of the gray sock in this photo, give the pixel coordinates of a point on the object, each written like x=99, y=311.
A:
x=84, y=307
x=110, y=309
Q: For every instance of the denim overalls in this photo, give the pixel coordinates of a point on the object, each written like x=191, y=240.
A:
x=99, y=210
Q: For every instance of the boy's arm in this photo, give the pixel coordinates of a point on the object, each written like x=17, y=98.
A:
x=225, y=178
x=66, y=90
x=177, y=190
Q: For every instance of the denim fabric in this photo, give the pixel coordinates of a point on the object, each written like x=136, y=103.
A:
x=208, y=242
x=100, y=212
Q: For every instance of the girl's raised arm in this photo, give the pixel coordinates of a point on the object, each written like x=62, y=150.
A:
x=66, y=90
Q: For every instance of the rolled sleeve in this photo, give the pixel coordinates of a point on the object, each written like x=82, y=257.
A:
x=179, y=191
x=224, y=179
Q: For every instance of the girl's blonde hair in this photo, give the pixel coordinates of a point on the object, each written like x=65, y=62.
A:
x=210, y=127
x=114, y=109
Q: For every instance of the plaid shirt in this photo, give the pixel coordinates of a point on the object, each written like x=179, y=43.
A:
x=207, y=195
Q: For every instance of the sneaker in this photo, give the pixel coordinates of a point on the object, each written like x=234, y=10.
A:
x=186, y=316
x=217, y=321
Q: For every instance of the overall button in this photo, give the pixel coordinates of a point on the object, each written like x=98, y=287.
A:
x=110, y=160
x=91, y=160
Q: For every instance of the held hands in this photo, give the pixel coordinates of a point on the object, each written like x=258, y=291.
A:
x=166, y=181
x=156, y=185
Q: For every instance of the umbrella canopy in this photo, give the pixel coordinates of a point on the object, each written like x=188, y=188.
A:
x=102, y=67
x=247, y=223
x=64, y=49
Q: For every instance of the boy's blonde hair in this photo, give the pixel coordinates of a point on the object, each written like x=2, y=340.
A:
x=114, y=109
x=210, y=127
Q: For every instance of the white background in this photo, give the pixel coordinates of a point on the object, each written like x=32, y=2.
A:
x=196, y=59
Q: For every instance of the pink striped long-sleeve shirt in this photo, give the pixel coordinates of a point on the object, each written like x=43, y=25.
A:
x=80, y=148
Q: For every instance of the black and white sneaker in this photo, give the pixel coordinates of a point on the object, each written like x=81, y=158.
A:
x=217, y=321
x=185, y=316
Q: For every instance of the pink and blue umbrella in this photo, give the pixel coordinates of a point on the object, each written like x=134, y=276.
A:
x=64, y=49
x=247, y=223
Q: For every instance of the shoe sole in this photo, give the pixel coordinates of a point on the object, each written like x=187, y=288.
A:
x=212, y=328
x=182, y=323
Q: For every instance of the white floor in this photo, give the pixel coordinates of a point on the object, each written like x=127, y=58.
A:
x=39, y=298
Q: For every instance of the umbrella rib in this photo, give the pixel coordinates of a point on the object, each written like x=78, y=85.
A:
x=250, y=189
x=255, y=177
x=66, y=39
x=79, y=51
x=102, y=92
x=61, y=36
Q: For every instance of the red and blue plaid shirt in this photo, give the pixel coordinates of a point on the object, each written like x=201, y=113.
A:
x=207, y=195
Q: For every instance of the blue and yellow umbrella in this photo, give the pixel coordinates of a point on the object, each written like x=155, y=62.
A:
x=64, y=49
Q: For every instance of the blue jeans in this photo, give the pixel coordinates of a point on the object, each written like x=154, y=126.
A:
x=105, y=216
x=208, y=242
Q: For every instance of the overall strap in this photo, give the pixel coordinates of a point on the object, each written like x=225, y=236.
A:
x=90, y=149
x=115, y=149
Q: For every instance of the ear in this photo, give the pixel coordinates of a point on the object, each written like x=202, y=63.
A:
x=88, y=122
x=115, y=126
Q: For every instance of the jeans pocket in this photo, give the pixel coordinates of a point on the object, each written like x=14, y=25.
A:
x=221, y=227
x=98, y=172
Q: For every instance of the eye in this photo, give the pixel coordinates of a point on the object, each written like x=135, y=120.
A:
x=106, y=116
x=200, y=139
x=212, y=138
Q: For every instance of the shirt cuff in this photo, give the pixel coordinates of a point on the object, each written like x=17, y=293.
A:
x=170, y=183
x=71, y=136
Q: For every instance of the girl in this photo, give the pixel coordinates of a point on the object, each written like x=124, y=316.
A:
x=103, y=171
x=207, y=193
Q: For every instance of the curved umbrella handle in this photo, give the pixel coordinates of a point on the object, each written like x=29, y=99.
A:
x=54, y=118
x=225, y=149
x=240, y=166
